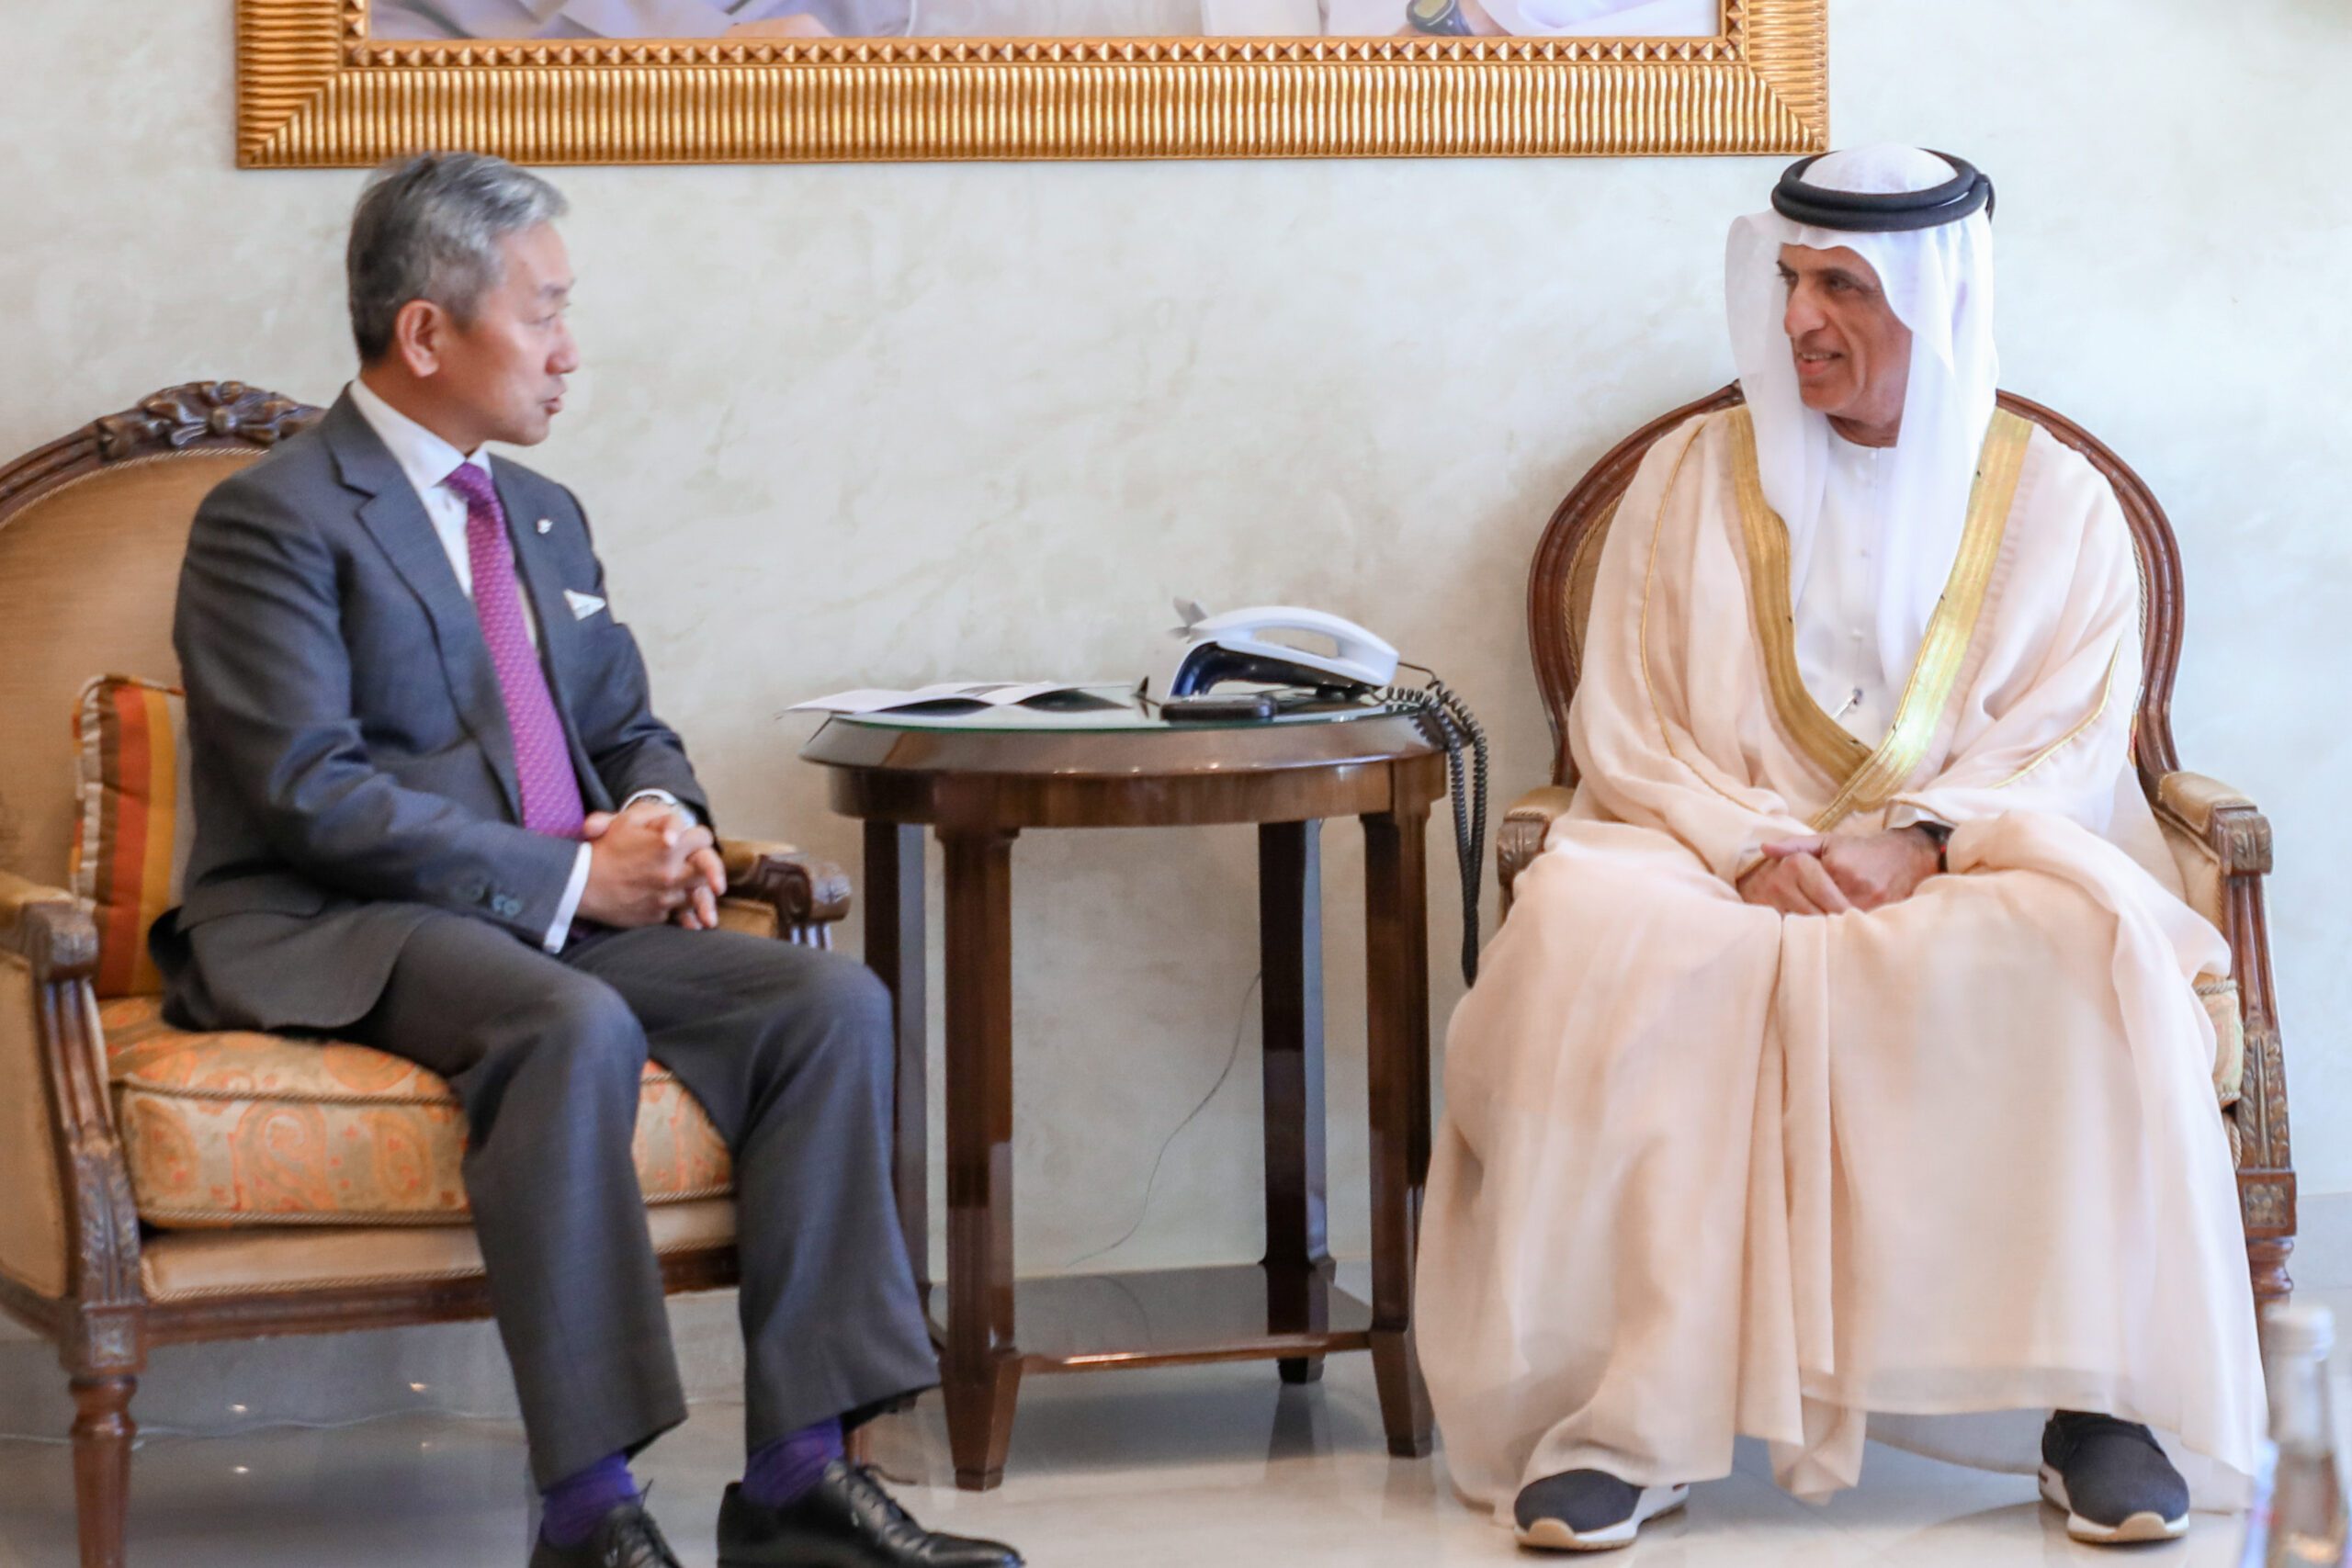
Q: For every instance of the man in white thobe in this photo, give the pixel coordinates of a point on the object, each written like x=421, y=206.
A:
x=1841, y=1062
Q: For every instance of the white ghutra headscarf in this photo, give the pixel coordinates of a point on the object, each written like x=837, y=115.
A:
x=1939, y=282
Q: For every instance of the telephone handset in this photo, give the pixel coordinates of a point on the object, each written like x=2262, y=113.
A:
x=1281, y=647
x=1327, y=659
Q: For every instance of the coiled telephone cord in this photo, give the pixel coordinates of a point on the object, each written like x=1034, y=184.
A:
x=1449, y=722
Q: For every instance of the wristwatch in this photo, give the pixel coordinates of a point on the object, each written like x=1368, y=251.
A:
x=1442, y=17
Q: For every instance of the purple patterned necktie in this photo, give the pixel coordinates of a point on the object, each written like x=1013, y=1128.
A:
x=551, y=803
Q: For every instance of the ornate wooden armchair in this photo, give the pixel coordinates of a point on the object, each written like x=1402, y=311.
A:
x=91, y=528
x=2220, y=841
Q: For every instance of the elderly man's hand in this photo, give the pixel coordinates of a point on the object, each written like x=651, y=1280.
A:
x=651, y=861
x=1794, y=884
x=1873, y=870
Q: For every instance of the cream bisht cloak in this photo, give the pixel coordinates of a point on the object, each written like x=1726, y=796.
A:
x=1704, y=1171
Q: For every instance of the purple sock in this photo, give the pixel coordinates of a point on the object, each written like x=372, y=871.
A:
x=576, y=1504
x=780, y=1473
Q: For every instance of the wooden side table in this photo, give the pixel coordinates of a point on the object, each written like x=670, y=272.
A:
x=980, y=782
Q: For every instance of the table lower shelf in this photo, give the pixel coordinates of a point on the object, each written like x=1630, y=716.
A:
x=1175, y=1317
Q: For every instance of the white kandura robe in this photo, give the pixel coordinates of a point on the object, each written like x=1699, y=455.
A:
x=1705, y=1170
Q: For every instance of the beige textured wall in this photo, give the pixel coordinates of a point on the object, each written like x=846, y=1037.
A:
x=893, y=424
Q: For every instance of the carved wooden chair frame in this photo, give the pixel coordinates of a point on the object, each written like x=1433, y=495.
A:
x=102, y=1326
x=2224, y=823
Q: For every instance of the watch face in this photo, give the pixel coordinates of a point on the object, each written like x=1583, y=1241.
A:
x=1434, y=16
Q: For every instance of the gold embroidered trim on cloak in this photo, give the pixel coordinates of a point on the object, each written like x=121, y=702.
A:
x=2106, y=696
x=1818, y=736
x=1869, y=778
x=1642, y=627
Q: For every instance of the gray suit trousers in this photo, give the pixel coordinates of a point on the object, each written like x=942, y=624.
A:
x=787, y=1049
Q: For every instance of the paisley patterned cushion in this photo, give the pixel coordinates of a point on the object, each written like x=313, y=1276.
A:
x=129, y=856
x=244, y=1128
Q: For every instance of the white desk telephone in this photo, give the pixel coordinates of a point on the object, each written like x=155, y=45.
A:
x=1280, y=645
x=1321, y=659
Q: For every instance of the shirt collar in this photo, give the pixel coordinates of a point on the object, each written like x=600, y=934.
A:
x=424, y=456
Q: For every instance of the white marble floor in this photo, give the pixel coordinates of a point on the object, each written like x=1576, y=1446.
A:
x=1219, y=1466
x=1207, y=1467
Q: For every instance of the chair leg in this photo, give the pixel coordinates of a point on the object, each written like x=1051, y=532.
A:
x=2266, y=1259
x=102, y=1434
x=2266, y=1206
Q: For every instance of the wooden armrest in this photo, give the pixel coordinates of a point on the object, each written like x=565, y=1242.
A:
x=2219, y=817
x=70, y=1228
x=804, y=890
x=48, y=928
x=2221, y=827
x=1521, y=839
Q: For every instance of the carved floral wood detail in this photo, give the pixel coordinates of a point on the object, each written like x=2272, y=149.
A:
x=199, y=411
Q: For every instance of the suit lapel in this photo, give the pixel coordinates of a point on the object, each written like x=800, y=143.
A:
x=395, y=519
x=560, y=633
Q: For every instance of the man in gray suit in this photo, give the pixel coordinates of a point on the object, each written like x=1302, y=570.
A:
x=435, y=813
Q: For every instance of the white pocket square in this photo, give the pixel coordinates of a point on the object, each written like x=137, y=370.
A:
x=583, y=604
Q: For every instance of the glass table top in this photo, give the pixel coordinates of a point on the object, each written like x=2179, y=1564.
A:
x=1107, y=709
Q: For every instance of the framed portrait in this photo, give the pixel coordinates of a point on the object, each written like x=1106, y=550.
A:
x=354, y=82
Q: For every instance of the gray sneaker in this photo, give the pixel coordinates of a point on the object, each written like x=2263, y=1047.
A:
x=1589, y=1510
x=2113, y=1479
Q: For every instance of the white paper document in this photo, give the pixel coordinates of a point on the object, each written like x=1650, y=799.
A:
x=973, y=694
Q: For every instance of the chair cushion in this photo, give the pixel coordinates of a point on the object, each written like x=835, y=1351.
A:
x=128, y=860
x=238, y=1128
x=2220, y=998
x=190, y=1266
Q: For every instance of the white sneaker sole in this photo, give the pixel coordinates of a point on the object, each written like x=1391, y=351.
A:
x=2138, y=1528
x=1553, y=1535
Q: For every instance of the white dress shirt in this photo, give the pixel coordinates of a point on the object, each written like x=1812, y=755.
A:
x=428, y=461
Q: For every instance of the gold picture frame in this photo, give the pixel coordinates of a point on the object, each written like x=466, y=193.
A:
x=314, y=90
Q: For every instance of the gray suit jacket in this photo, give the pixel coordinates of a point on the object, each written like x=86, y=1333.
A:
x=350, y=761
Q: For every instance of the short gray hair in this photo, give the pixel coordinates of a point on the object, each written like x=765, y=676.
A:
x=428, y=228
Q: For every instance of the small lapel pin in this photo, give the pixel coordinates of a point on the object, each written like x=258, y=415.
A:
x=545, y=523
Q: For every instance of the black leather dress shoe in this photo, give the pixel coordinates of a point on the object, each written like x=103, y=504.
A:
x=626, y=1538
x=847, y=1520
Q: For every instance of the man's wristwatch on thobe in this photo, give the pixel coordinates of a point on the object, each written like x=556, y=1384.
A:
x=1442, y=17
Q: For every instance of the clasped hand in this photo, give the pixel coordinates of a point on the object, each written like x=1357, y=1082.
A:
x=650, y=862
x=1835, y=875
